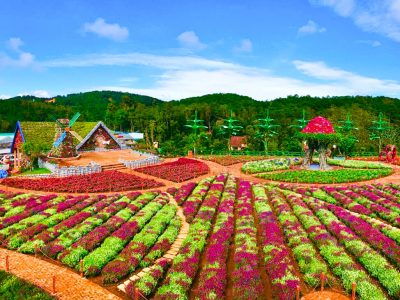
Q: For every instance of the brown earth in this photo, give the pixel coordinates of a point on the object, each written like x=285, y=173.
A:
x=70, y=285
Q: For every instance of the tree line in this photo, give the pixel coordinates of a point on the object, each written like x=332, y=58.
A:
x=164, y=122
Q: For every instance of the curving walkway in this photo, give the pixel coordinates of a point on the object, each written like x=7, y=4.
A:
x=68, y=285
x=171, y=253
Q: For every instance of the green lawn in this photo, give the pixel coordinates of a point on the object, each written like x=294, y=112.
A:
x=36, y=171
x=13, y=288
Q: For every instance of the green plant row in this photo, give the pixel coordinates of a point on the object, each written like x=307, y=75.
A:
x=331, y=176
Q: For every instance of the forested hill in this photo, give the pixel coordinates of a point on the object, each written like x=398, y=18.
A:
x=164, y=121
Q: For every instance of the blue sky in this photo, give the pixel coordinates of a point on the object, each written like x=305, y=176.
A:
x=176, y=49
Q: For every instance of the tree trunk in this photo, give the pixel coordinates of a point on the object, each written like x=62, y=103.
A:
x=307, y=158
x=323, y=165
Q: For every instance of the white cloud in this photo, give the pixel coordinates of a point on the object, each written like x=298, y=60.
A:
x=246, y=46
x=310, y=28
x=370, y=43
x=24, y=59
x=190, y=40
x=186, y=76
x=3, y=97
x=111, y=31
x=354, y=83
x=381, y=17
x=15, y=44
x=38, y=93
x=341, y=7
x=134, y=58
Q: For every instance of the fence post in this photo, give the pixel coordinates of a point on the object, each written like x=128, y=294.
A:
x=136, y=297
x=353, y=291
x=81, y=267
x=322, y=280
x=7, y=264
x=54, y=284
x=297, y=292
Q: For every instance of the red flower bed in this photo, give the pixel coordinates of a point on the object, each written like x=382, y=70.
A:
x=108, y=181
x=181, y=170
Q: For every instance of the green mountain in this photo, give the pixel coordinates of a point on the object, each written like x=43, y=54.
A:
x=164, y=121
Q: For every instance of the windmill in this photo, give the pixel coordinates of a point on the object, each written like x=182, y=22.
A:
x=63, y=137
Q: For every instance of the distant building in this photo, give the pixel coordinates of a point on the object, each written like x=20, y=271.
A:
x=238, y=142
x=129, y=138
x=87, y=136
x=5, y=143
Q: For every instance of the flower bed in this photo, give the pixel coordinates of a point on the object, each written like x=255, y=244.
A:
x=177, y=171
x=268, y=165
x=376, y=264
x=228, y=160
x=106, y=181
x=180, y=276
x=246, y=275
x=213, y=276
x=357, y=164
x=341, y=263
x=164, y=242
x=112, y=245
x=277, y=260
x=130, y=257
x=149, y=281
x=331, y=176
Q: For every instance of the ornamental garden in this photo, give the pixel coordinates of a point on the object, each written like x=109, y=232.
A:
x=138, y=225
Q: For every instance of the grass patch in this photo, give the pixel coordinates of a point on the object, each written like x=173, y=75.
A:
x=36, y=171
x=14, y=288
x=330, y=176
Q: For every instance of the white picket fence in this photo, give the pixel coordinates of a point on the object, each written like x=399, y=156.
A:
x=149, y=159
x=57, y=171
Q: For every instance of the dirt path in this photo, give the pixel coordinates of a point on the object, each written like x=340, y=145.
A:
x=69, y=285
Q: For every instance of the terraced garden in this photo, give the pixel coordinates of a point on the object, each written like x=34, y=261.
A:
x=245, y=240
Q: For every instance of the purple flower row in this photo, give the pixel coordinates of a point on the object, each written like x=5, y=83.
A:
x=246, y=276
x=185, y=265
x=83, y=246
x=373, y=262
x=371, y=235
x=184, y=191
x=341, y=263
x=213, y=276
x=129, y=258
x=97, y=203
x=33, y=206
x=62, y=211
x=66, y=239
x=277, y=260
x=193, y=202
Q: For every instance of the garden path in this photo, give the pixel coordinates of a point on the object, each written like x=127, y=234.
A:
x=68, y=285
x=171, y=253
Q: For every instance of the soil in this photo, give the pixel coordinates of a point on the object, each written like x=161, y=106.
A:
x=102, y=158
x=69, y=285
x=325, y=295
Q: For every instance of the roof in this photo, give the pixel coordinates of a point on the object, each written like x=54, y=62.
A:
x=129, y=135
x=44, y=132
x=93, y=130
x=6, y=137
x=319, y=125
x=237, y=141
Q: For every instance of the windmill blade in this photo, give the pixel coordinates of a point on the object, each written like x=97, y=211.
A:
x=75, y=134
x=60, y=139
x=58, y=122
x=73, y=120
